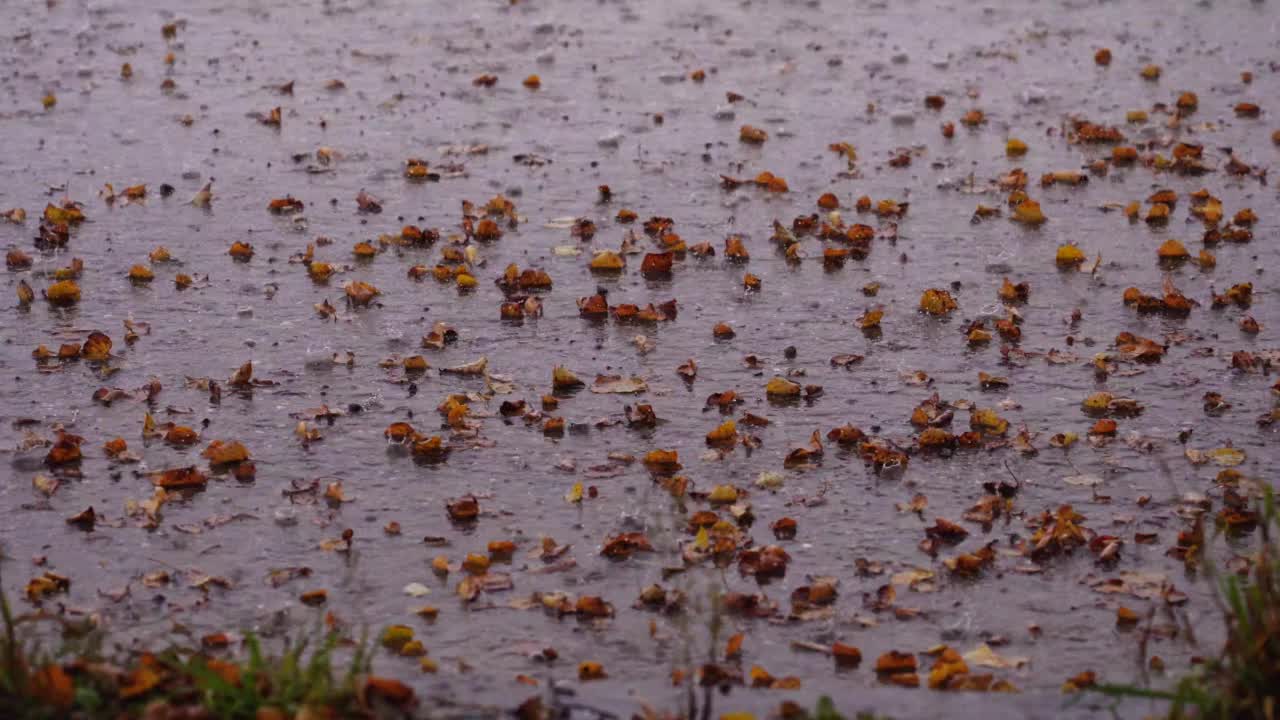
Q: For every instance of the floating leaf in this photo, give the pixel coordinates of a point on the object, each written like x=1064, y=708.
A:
x=937, y=302
x=1226, y=456
x=618, y=384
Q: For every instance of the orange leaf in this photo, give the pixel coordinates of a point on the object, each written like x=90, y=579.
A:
x=179, y=478
x=139, y=682
x=390, y=690
x=734, y=647
x=53, y=686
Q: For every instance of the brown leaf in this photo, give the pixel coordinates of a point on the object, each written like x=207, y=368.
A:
x=84, y=519
x=179, y=478
x=463, y=509
x=624, y=545
x=894, y=662
x=368, y=203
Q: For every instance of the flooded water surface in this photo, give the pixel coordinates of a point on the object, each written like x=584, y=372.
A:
x=922, y=523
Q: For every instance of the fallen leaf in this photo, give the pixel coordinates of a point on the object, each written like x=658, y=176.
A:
x=617, y=384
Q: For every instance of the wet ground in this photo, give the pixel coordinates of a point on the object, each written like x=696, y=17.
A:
x=618, y=105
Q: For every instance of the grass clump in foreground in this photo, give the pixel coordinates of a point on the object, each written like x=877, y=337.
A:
x=302, y=681
x=1243, y=681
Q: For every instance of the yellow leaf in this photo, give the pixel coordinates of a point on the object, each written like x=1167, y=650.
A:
x=984, y=656
x=66, y=292
x=1226, y=456
x=726, y=434
x=702, y=541
x=575, y=493
x=987, y=420
x=781, y=387
x=440, y=565
x=396, y=636
x=607, y=261
x=1069, y=255
x=413, y=648
x=1028, y=212
x=562, y=378
x=1172, y=250
x=937, y=302
x=723, y=494
x=1097, y=402
x=1064, y=440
